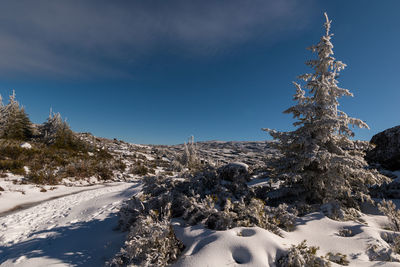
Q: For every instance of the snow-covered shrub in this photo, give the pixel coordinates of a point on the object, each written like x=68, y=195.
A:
x=389, y=209
x=283, y=216
x=252, y=213
x=141, y=169
x=130, y=212
x=335, y=211
x=175, y=166
x=99, y=165
x=377, y=252
x=219, y=204
x=150, y=242
x=393, y=239
x=190, y=157
x=338, y=258
x=42, y=176
x=319, y=155
x=345, y=232
x=197, y=211
x=207, y=198
x=302, y=255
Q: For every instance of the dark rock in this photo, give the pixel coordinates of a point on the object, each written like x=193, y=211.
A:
x=387, y=149
x=235, y=172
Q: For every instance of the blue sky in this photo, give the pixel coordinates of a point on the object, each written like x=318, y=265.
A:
x=154, y=72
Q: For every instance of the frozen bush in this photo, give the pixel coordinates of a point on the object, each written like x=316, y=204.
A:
x=190, y=157
x=338, y=258
x=204, y=198
x=345, y=232
x=141, y=169
x=335, y=211
x=130, y=212
x=389, y=209
x=378, y=252
x=176, y=166
x=393, y=239
x=150, y=242
x=239, y=213
x=302, y=255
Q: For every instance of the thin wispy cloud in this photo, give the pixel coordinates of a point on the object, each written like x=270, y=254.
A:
x=69, y=38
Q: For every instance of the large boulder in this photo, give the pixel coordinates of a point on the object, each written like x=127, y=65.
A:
x=235, y=172
x=387, y=149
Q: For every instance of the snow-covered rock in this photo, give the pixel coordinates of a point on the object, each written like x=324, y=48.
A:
x=26, y=145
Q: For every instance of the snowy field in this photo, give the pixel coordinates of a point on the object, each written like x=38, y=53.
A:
x=15, y=195
x=75, y=225
x=74, y=230
x=259, y=247
x=78, y=230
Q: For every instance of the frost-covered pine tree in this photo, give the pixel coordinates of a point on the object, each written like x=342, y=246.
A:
x=15, y=123
x=3, y=116
x=52, y=126
x=56, y=131
x=319, y=155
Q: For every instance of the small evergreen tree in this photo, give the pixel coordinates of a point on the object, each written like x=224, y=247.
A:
x=3, y=116
x=52, y=126
x=15, y=123
x=56, y=131
x=319, y=155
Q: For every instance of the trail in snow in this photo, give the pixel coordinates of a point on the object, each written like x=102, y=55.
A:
x=27, y=205
x=73, y=230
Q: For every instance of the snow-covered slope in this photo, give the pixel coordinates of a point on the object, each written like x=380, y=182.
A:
x=259, y=247
x=76, y=228
x=73, y=230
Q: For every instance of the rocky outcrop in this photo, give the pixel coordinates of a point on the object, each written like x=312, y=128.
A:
x=387, y=149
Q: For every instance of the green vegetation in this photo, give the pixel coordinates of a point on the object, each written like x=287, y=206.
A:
x=141, y=169
x=56, y=152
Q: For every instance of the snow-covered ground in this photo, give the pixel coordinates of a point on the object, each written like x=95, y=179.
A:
x=258, y=247
x=74, y=225
x=78, y=230
x=15, y=195
x=74, y=230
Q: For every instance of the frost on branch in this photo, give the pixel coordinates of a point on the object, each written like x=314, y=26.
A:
x=56, y=131
x=319, y=155
x=150, y=242
x=302, y=255
x=218, y=199
x=389, y=209
x=14, y=122
x=190, y=158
